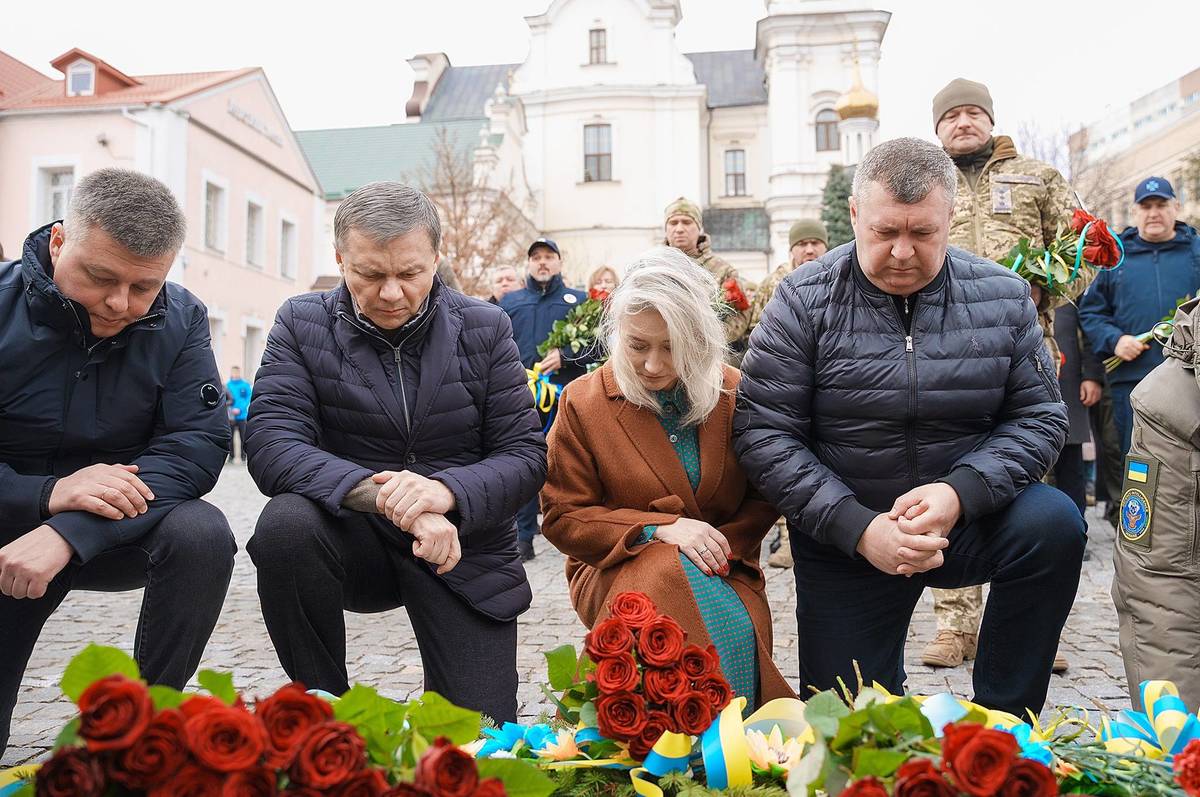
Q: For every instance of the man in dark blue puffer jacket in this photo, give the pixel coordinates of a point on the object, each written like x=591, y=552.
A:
x=898, y=406
x=392, y=424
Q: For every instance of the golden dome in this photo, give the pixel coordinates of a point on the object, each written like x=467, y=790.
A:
x=858, y=102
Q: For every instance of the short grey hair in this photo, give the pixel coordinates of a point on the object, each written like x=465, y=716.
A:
x=135, y=210
x=685, y=294
x=385, y=210
x=909, y=168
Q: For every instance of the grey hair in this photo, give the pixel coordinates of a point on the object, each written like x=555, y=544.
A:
x=385, y=210
x=684, y=293
x=909, y=168
x=134, y=209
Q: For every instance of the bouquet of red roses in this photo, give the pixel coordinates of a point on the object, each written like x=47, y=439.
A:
x=733, y=297
x=647, y=679
x=1086, y=242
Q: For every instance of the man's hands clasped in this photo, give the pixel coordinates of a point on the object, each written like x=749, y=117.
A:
x=418, y=505
x=911, y=537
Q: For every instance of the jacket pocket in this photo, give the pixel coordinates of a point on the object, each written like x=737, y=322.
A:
x=1048, y=375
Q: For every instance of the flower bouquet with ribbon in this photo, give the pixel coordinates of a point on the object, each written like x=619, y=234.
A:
x=134, y=739
x=577, y=331
x=1086, y=242
x=1160, y=332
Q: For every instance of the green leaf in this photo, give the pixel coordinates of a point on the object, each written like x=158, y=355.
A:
x=166, y=697
x=69, y=735
x=902, y=718
x=588, y=716
x=850, y=729
x=379, y=720
x=561, y=664
x=219, y=685
x=822, y=711
x=435, y=716
x=92, y=664
x=571, y=716
x=880, y=763
x=25, y=791
x=521, y=779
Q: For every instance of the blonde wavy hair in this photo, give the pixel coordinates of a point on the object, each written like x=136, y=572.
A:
x=673, y=285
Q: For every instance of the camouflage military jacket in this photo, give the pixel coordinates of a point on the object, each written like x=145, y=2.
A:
x=1015, y=197
x=737, y=324
x=766, y=290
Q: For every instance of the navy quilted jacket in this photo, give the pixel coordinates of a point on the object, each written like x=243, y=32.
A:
x=327, y=413
x=840, y=411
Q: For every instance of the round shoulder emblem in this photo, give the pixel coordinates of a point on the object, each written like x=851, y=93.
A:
x=1135, y=515
x=569, y=298
x=210, y=395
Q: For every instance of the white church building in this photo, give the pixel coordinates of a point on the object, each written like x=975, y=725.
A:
x=606, y=121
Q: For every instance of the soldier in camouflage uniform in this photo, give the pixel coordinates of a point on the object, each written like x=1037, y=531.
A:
x=685, y=231
x=1002, y=197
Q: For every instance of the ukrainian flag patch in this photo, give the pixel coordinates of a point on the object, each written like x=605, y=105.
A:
x=1138, y=471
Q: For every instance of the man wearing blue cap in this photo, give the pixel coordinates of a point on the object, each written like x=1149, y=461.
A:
x=533, y=310
x=1162, y=266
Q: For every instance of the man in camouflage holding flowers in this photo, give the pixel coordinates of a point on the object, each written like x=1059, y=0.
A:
x=1002, y=197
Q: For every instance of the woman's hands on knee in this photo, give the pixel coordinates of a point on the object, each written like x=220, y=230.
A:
x=706, y=547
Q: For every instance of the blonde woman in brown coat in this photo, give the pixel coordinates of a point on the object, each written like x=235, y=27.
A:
x=644, y=492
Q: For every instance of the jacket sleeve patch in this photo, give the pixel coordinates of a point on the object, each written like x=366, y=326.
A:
x=1137, y=501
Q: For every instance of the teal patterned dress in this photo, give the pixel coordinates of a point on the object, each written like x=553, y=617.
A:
x=725, y=616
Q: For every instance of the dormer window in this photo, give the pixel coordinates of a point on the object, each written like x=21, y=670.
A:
x=81, y=79
x=597, y=46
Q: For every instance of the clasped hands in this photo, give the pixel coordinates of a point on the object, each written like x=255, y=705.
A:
x=418, y=505
x=911, y=537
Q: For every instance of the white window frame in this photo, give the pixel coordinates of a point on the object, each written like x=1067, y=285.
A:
x=78, y=67
x=257, y=324
x=256, y=259
x=208, y=178
x=284, y=219
x=612, y=148
x=744, y=173
x=216, y=317
x=39, y=184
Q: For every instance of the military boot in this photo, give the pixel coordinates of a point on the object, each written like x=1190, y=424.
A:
x=949, y=648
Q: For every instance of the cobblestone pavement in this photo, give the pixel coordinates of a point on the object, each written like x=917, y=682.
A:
x=383, y=652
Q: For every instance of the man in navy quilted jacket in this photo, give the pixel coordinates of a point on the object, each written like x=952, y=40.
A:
x=899, y=407
x=392, y=426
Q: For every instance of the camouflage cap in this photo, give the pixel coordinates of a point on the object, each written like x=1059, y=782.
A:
x=686, y=207
x=961, y=91
x=807, y=229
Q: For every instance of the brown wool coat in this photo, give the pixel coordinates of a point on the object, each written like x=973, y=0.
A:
x=612, y=472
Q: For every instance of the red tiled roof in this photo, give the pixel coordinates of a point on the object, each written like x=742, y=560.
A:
x=74, y=54
x=50, y=94
x=17, y=77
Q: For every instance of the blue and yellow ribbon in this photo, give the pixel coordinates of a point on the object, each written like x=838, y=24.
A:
x=545, y=394
x=1161, y=731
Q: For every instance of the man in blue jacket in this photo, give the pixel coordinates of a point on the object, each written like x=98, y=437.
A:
x=239, y=392
x=1162, y=266
x=392, y=426
x=112, y=425
x=534, y=309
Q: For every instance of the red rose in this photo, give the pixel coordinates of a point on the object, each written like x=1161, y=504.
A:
x=192, y=780
x=981, y=765
x=1080, y=219
x=226, y=738
x=113, y=712
x=698, y=662
x=287, y=715
x=327, y=755
x=617, y=674
x=734, y=296
x=716, y=689
x=71, y=772
x=1029, y=779
x=1100, y=247
x=918, y=777
x=199, y=704
x=610, y=637
x=635, y=608
x=664, y=684
x=409, y=790
x=692, y=714
x=657, y=723
x=621, y=716
x=597, y=295
x=865, y=787
x=1187, y=768
x=490, y=787
x=954, y=736
x=365, y=783
x=660, y=642
x=155, y=756
x=257, y=782
x=447, y=771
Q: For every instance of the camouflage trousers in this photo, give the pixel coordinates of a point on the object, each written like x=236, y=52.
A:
x=958, y=610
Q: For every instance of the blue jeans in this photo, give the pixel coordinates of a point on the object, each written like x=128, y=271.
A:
x=1030, y=552
x=527, y=521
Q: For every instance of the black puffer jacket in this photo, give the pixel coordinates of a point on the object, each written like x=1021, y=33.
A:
x=331, y=407
x=840, y=411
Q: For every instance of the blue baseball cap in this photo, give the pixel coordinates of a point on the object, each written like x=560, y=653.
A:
x=549, y=244
x=1153, y=186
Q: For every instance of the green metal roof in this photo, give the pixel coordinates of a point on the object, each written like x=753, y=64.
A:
x=346, y=158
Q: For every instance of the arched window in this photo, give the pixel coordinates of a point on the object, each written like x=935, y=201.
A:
x=826, y=124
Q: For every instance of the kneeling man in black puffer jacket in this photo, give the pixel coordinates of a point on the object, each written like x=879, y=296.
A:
x=898, y=406
x=393, y=426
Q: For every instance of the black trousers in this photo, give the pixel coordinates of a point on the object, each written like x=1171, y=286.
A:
x=184, y=563
x=237, y=429
x=1031, y=553
x=312, y=566
x=1069, y=475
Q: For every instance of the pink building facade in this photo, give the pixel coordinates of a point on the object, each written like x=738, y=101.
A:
x=222, y=144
